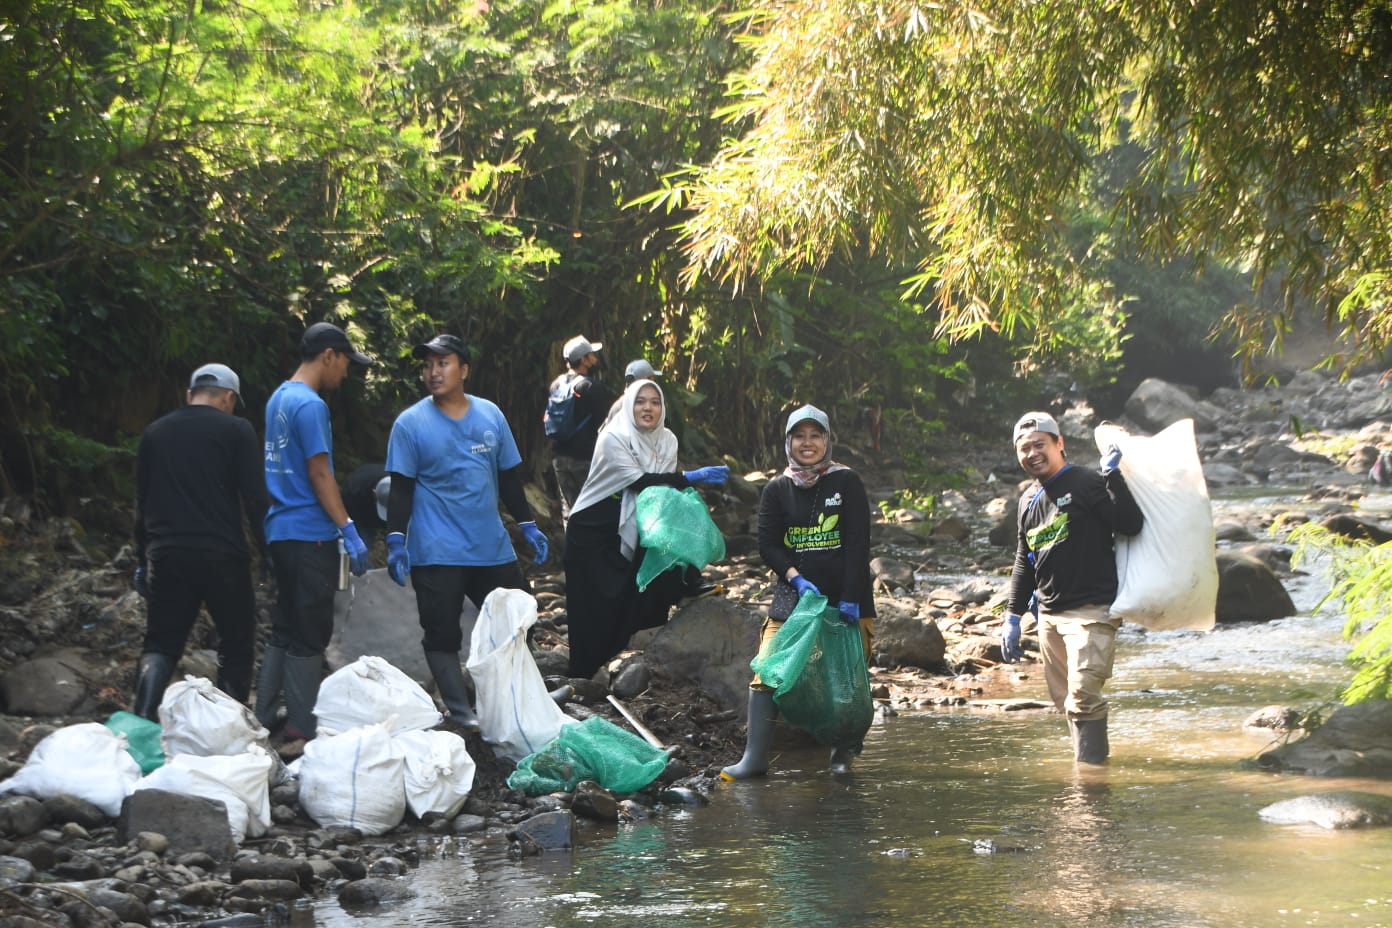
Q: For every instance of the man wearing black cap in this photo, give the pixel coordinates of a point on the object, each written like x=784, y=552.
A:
x=451, y=457
x=197, y=470
x=1066, y=563
x=305, y=527
x=573, y=441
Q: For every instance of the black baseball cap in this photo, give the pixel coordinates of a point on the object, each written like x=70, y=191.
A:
x=443, y=344
x=323, y=335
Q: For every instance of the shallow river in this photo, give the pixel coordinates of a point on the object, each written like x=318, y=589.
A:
x=982, y=820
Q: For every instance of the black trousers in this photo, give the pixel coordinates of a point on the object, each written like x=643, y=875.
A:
x=182, y=580
x=440, y=591
x=306, y=580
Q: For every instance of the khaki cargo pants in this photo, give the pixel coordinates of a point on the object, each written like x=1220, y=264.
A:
x=1078, y=647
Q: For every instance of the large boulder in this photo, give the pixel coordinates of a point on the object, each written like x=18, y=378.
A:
x=191, y=823
x=1156, y=404
x=1356, y=741
x=906, y=639
x=709, y=642
x=1249, y=590
x=50, y=684
x=376, y=617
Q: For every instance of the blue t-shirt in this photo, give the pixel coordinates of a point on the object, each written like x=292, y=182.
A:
x=455, y=463
x=297, y=428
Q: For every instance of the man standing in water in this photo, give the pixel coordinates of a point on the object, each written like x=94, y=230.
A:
x=451, y=457
x=1065, y=560
x=304, y=526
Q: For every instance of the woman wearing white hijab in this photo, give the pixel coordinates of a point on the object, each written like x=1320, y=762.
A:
x=814, y=534
x=604, y=607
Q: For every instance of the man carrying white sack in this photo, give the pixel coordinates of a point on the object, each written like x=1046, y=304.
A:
x=1065, y=559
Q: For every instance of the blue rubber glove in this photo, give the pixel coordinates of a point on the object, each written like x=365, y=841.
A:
x=398, y=561
x=1010, y=639
x=537, y=539
x=142, y=581
x=804, y=586
x=850, y=612
x=716, y=473
x=1111, y=459
x=357, y=551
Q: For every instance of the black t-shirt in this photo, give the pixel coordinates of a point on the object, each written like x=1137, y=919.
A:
x=823, y=531
x=197, y=471
x=1068, y=527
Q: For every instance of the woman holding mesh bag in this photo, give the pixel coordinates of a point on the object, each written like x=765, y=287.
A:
x=634, y=451
x=814, y=534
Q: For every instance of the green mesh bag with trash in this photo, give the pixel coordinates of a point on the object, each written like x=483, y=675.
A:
x=595, y=749
x=816, y=667
x=142, y=739
x=676, y=528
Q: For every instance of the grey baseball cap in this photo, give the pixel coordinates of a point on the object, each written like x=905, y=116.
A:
x=640, y=370
x=217, y=375
x=1032, y=422
x=805, y=413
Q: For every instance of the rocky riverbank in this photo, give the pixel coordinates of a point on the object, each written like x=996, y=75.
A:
x=70, y=630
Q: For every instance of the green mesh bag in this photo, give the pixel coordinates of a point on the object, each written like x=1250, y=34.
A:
x=816, y=666
x=595, y=749
x=142, y=739
x=676, y=528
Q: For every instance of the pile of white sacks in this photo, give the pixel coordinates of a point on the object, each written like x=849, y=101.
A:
x=374, y=756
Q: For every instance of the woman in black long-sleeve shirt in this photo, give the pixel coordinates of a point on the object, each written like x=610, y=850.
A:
x=814, y=534
x=604, y=606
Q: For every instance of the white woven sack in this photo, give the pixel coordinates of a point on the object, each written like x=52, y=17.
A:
x=200, y=719
x=356, y=778
x=368, y=691
x=87, y=760
x=517, y=714
x=242, y=782
x=1168, y=576
x=439, y=772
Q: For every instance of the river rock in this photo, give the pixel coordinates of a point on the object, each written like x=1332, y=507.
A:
x=953, y=527
x=891, y=574
x=906, y=639
x=1342, y=809
x=368, y=619
x=710, y=642
x=1275, y=718
x=71, y=809
x=1155, y=404
x=1355, y=741
x=374, y=891
x=594, y=802
x=21, y=816
x=1248, y=590
x=128, y=908
x=48, y=685
x=631, y=679
x=1355, y=529
x=191, y=823
x=15, y=870
x=550, y=831
x=272, y=868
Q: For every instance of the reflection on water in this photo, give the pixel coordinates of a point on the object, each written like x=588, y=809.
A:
x=982, y=821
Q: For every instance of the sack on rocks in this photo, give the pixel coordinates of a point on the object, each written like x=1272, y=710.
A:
x=595, y=749
x=369, y=690
x=816, y=666
x=241, y=782
x=142, y=738
x=200, y=719
x=515, y=711
x=1167, y=575
x=676, y=528
x=356, y=778
x=87, y=760
x=439, y=772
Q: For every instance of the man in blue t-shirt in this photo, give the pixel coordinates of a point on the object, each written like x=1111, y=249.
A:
x=451, y=457
x=304, y=527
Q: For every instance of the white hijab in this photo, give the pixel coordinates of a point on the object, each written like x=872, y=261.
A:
x=624, y=453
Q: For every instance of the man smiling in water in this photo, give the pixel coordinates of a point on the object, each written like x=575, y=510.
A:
x=1065, y=561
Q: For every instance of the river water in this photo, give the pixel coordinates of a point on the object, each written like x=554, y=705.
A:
x=982, y=820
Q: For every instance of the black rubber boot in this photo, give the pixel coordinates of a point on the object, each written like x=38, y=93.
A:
x=561, y=693
x=755, y=762
x=841, y=760
x=454, y=689
x=302, y=676
x=268, y=685
x=1090, y=741
x=152, y=678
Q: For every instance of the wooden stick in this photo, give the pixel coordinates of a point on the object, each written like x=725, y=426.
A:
x=638, y=726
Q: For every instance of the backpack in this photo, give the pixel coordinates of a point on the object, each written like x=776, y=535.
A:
x=561, y=420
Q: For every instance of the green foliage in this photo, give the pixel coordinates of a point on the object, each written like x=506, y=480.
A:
x=1362, y=584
